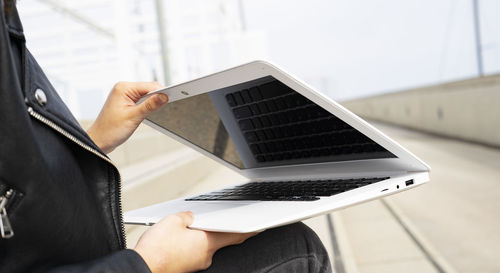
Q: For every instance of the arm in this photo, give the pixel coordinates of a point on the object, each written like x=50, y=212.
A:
x=119, y=262
x=169, y=246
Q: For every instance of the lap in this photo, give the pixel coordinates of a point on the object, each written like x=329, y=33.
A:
x=291, y=248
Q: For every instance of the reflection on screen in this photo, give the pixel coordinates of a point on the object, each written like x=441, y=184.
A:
x=264, y=123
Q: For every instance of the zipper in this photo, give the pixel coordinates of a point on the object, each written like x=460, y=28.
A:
x=6, y=230
x=63, y=132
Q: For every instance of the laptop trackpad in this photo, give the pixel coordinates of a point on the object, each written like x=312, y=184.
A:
x=201, y=207
x=153, y=214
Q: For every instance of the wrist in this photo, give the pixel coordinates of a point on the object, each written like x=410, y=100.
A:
x=153, y=262
x=92, y=132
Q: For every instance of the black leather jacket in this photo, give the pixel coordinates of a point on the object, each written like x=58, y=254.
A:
x=60, y=192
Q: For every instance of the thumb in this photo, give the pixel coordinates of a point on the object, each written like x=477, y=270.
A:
x=187, y=217
x=151, y=104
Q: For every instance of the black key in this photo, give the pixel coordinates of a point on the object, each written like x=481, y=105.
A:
x=246, y=125
x=263, y=108
x=279, y=146
x=290, y=102
x=255, y=149
x=283, y=118
x=238, y=98
x=230, y=100
x=260, y=158
x=371, y=148
x=325, y=152
x=325, y=125
x=257, y=123
x=289, y=146
x=280, y=104
x=240, y=197
x=286, y=131
x=277, y=132
x=357, y=149
x=269, y=134
x=255, y=93
x=263, y=148
x=246, y=96
x=255, y=109
x=274, y=119
x=287, y=156
x=292, y=116
x=310, y=112
x=251, y=137
x=346, y=150
x=271, y=106
x=265, y=121
x=242, y=112
x=261, y=135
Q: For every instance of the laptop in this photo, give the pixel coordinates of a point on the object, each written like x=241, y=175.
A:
x=302, y=153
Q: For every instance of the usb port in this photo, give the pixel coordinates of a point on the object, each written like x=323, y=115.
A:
x=409, y=182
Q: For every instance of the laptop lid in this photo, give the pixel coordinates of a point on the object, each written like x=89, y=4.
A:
x=264, y=123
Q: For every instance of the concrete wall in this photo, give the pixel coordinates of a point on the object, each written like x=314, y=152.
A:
x=467, y=109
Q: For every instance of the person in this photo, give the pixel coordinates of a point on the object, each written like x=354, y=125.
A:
x=60, y=194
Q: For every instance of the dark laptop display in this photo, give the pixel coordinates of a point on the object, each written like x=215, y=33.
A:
x=264, y=123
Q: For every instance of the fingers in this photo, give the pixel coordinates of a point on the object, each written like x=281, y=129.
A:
x=151, y=104
x=142, y=88
x=222, y=239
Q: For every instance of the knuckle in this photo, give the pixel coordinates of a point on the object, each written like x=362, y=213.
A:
x=149, y=106
x=119, y=85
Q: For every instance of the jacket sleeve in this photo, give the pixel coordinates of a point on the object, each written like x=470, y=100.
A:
x=118, y=262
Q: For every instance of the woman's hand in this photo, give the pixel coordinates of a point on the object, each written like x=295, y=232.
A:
x=120, y=116
x=170, y=246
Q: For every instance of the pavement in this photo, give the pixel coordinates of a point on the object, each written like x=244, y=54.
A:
x=457, y=213
x=448, y=225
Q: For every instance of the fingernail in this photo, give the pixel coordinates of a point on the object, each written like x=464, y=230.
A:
x=162, y=98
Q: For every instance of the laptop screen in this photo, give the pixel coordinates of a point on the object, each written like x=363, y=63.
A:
x=264, y=123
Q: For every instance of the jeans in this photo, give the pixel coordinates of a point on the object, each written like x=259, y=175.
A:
x=293, y=248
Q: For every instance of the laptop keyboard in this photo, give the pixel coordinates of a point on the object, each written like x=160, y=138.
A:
x=281, y=124
x=287, y=190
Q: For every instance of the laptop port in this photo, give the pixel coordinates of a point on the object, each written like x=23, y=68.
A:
x=409, y=182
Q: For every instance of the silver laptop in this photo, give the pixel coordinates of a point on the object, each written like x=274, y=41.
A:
x=303, y=154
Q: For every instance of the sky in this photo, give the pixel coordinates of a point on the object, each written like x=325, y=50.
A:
x=359, y=48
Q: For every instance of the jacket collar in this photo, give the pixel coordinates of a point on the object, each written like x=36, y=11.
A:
x=12, y=19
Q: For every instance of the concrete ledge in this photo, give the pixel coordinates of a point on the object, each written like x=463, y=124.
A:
x=465, y=109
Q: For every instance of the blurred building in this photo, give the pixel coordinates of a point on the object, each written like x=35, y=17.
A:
x=87, y=46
